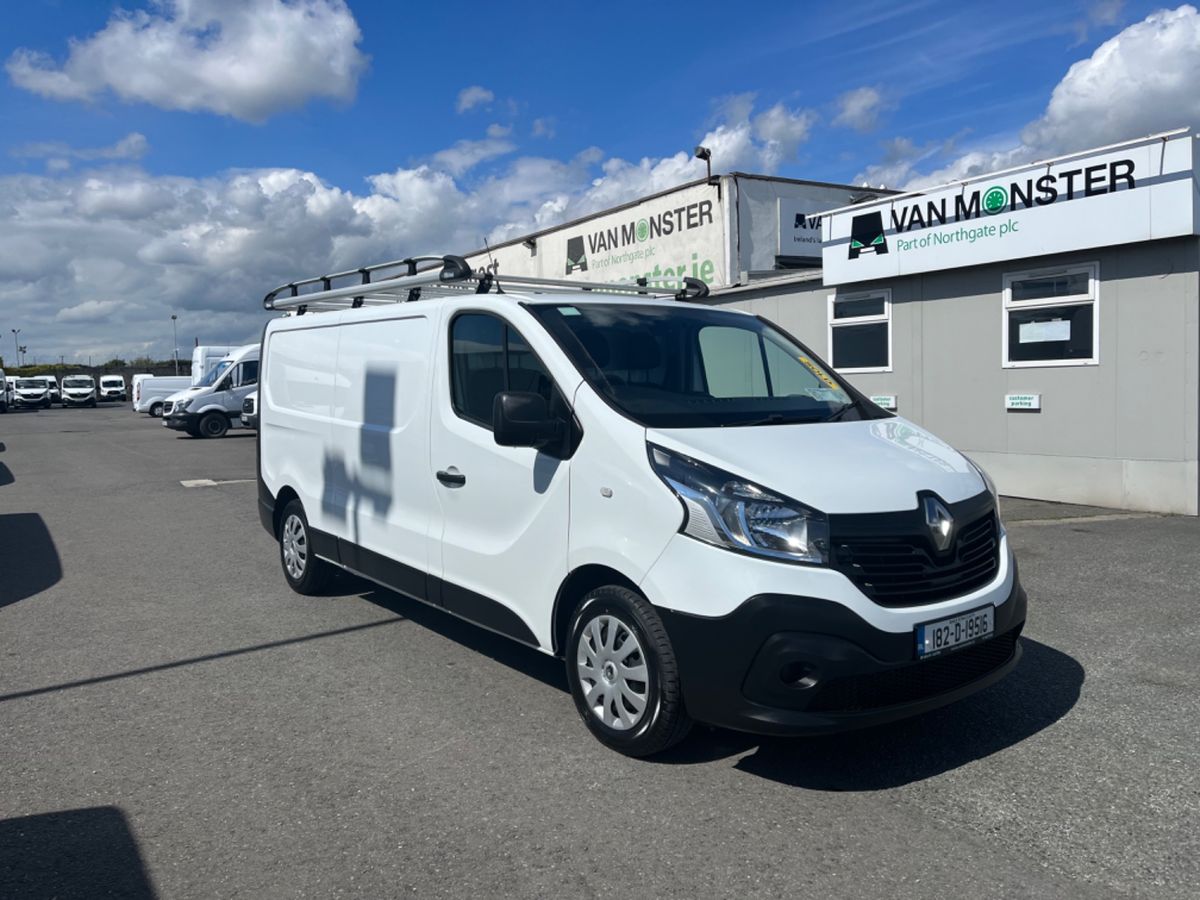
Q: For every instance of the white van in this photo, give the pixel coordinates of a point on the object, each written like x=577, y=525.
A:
x=112, y=387
x=683, y=502
x=33, y=391
x=78, y=390
x=150, y=391
x=211, y=407
x=250, y=410
x=204, y=357
x=6, y=392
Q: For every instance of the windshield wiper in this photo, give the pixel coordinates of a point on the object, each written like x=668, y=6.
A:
x=840, y=411
x=772, y=419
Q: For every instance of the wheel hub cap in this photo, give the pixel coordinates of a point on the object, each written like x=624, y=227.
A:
x=613, y=672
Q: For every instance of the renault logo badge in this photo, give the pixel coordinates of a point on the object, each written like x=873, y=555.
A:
x=940, y=522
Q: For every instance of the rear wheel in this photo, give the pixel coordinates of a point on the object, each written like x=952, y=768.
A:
x=213, y=425
x=305, y=573
x=155, y=410
x=623, y=674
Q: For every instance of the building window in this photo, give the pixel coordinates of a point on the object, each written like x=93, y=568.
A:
x=860, y=332
x=1050, y=317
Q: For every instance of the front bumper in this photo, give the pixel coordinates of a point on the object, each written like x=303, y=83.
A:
x=79, y=401
x=749, y=670
x=30, y=401
x=183, y=421
x=249, y=421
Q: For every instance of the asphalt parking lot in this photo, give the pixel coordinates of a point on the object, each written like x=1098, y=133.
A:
x=174, y=722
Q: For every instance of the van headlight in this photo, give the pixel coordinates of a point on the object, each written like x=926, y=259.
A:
x=180, y=405
x=728, y=511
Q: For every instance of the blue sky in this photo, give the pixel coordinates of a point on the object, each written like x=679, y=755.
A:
x=184, y=156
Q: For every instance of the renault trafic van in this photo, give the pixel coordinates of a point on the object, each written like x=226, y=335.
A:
x=212, y=406
x=685, y=504
x=79, y=390
x=33, y=391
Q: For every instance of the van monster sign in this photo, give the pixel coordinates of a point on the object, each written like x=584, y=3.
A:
x=1136, y=192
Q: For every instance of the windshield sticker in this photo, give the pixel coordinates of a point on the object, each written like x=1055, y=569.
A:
x=816, y=370
x=569, y=311
x=824, y=395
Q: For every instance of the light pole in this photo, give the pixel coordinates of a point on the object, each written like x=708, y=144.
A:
x=175, y=341
x=16, y=349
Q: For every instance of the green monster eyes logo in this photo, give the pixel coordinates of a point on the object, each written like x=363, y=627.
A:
x=643, y=229
x=994, y=200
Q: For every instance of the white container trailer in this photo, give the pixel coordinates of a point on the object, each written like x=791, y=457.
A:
x=205, y=357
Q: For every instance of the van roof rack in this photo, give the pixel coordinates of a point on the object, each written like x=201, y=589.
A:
x=406, y=280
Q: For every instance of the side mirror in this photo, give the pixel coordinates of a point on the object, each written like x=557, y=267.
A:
x=523, y=420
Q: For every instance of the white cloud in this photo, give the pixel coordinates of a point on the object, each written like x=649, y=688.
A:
x=206, y=249
x=247, y=59
x=496, y=130
x=465, y=155
x=133, y=146
x=1143, y=80
x=543, y=127
x=92, y=311
x=473, y=96
x=859, y=109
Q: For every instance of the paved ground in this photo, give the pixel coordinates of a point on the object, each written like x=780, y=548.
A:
x=174, y=722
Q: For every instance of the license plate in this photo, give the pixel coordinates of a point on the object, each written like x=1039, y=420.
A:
x=956, y=632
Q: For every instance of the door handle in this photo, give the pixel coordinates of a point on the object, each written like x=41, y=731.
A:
x=451, y=477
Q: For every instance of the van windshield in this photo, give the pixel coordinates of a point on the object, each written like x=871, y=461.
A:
x=30, y=384
x=681, y=367
x=77, y=381
x=211, y=376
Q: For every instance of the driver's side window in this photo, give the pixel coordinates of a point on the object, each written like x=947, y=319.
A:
x=247, y=373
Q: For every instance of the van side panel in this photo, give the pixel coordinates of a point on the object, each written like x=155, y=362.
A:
x=378, y=495
x=295, y=403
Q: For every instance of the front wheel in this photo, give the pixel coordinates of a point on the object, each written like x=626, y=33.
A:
x=305, y=573
x=213, y=425
x=156, y=410
x=623, y=674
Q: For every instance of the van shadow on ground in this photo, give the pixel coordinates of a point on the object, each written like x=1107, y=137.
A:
x=1043, y=688
x=29, y=561
x=6, y=475
x=72, y=855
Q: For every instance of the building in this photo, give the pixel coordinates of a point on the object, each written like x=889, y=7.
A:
x=1044, y=319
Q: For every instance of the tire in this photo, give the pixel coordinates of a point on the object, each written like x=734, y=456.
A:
x=305, y=573
x=156, y=410
x=213, y=425
x=603, y=626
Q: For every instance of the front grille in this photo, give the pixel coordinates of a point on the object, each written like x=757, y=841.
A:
x=167, y=407
x=894, y=562
x=918, y=681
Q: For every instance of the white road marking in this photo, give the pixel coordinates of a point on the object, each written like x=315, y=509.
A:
x=208, y=482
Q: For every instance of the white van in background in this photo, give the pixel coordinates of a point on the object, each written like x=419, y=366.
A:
x=79, y=390
x=149, y=391
x=702, y=519
x=6, y=392
x=204, y=357
x=211, y=407
x=250, y=410
x=32, y=392
x=112, y=387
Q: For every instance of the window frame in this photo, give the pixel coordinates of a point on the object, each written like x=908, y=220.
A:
x=1009, y=305
x=458, y=314
x=885, y=317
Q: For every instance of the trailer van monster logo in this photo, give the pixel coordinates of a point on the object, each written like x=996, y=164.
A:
x=866, y=235
x=576, y=256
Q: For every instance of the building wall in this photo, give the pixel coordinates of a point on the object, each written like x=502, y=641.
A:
x=1122, y=433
